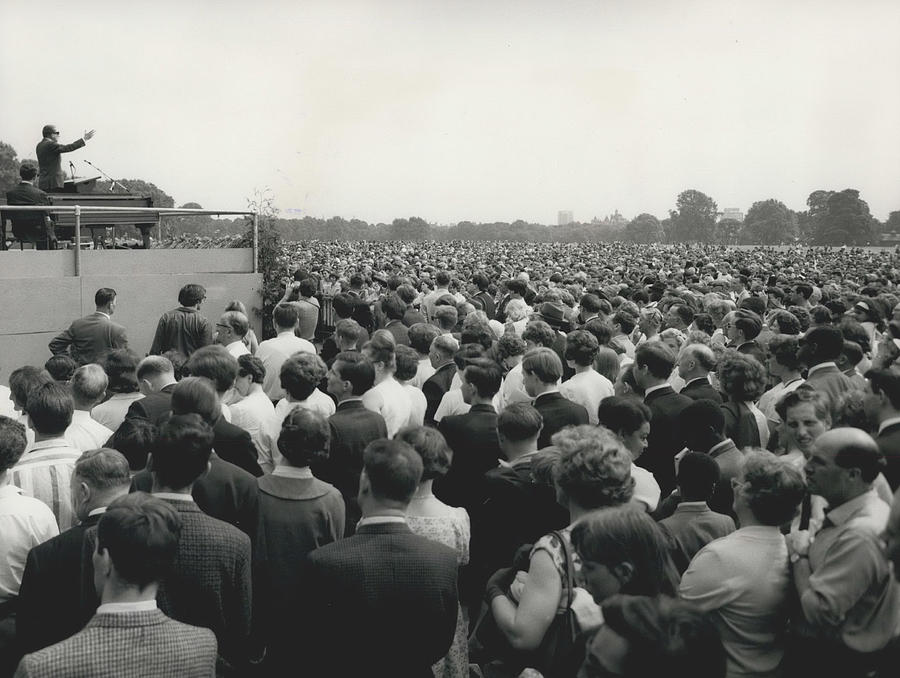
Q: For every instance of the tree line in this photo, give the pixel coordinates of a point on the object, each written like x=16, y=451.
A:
x=831, y=218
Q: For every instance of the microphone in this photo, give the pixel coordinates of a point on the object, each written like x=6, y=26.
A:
x=72, y=168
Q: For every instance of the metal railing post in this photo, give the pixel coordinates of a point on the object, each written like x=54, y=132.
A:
x=77, y=240
x=256, y=242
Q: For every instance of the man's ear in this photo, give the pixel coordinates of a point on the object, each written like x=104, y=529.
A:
x=624, y=572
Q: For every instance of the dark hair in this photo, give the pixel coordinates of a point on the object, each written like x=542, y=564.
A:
x=802, y=316
x=885, y=381
x=741, y=376
x=301, y=373
x=697, y=476
x=784, y=347
x=61, y=367
x=805, y=394
x=748, y=323
x=216, y=364
x=704, y=323
x=510, y=345
x=594, y=468
x=828, y=342
x=196, y=395
x=12, y=442
x=50, y=407
x=304, y=437
x=141, y=535
x=664, y=631
x=103, y=468
x=620, y=414
x=252, y=366
x=393, y=307
x=772, y=487
x=540, y=333
x=421, y=335
x=154, y=366
x=431, y=446
x=191, y=295
x=348, y=329
x=657, y=357
x=394, y=470
x=600, y=328
x=519, y=421
x=285, y=315
x=342, y=305
x=581, y=347
x=442, y=278
x=626, y=534
x=182, y=450
x=135, y=438
x=407, y=359
x=788, y=323
x=121, y=367
x=543, y=363
x=27, y=171
x=821, y=315
x=380, y=349
x=308, y=287
x=625, y=319
x=684, y=312
x=485, y=375
x=467, y=353
x=852, y=352
x=25, y=379
x=104, y=296
x=355, y=368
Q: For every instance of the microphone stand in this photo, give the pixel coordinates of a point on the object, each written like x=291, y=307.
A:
x=112, y=181
x=72, y=169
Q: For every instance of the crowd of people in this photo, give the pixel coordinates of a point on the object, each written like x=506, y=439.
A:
x=455, y=459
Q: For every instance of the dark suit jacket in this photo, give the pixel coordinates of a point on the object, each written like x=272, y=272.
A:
x=557, y=412
x=51, y=176
x=225, y=492
x=754, y=349
x=665, y=439
x=155, y=407
x=740, y=424
x=412, y=316
x=184, y=329
x=692, y=527
x=380, y=603
x=435, y=388
x=399, y=330
x=28, y=225
x=889, y=444
x=57, y=596
x=701, y=389
x=233, y=444
x=473, y=439
x=352, y=428
x=89, y=338
x=209, y=583
x=488, y=303
x=830, y=381
x=127, y=645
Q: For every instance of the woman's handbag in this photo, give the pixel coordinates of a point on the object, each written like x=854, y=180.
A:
x=557, y=656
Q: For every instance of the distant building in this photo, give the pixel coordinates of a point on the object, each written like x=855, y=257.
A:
x=731, y=213
x=614, y=219
x=564, y=217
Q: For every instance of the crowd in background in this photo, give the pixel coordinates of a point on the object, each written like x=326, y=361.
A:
x=456, y=459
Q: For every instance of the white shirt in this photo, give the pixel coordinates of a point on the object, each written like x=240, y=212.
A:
x=418, y=403
x=112, y=413
x=423, y=373
x=770, y=399
x=45, y=472
x=646, y=489
x=25, y=522
x=512, y=390
x=888, y=422
x=85, y=433
x=389, y=399
x=121, y=608
x=273, y=352
x=252, y=413
x=269, y=455
x=238, y=348
x=588, y=389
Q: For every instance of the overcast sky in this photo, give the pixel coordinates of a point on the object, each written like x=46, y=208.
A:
x=465, y=109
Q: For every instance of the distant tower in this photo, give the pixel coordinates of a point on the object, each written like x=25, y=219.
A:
x=564, y=217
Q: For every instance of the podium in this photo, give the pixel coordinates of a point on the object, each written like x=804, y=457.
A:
x=80, y=184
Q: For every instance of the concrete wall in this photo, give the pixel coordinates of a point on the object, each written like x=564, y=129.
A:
x=40, y=295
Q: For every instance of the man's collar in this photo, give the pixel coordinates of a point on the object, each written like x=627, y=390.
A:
x=705, y=380
x=890, y=421
x=549, y=391
x=97, y=511
x=718, y=448
x=350, y=400
x=820, y=366
x=174, y=496
x=295, y=472
x=121, y=608
x=380, y=520
x=843, y=513
x=104, y=314
x=50, y=443
x=658, y=387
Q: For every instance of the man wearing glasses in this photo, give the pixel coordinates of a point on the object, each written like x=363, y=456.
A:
x=49, y=151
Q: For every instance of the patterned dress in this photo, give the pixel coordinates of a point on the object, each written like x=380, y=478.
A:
x=451, y=529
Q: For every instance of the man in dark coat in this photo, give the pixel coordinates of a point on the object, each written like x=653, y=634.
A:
x=695, y=363
x=36, y=227
x=471, y=436
x=653, y=363
x=49, y=151
x=441, y=356
x=352, y=428
x=388, y=592
x=883, y=407
x=57, y=596
x=542, y=370
x=88, y=339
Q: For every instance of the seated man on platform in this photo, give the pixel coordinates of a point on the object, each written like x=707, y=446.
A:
x=31, y=226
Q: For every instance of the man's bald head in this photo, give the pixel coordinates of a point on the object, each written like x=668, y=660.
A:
x=843, y=465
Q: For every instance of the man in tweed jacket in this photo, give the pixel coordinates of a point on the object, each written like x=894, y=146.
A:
x=384, y=601
x=137, y=539
x=209, y=584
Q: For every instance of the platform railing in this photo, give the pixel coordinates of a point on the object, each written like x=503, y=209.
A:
x=151, y=212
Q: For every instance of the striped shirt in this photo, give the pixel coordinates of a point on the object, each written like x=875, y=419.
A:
x=45, y=472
